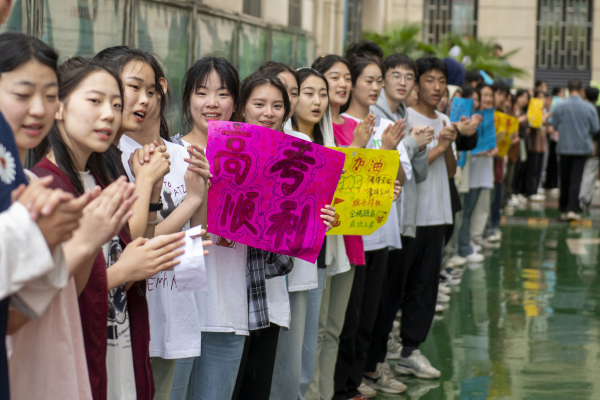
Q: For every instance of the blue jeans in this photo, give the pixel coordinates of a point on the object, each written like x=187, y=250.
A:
x=213, y=374
x=311, y=333
x=464, y=235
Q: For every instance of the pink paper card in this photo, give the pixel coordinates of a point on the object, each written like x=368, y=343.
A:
x=268, y=188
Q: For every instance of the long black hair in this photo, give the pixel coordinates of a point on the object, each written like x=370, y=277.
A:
x=17, y=48
x=197, y=76
x=70, y=74
x=117, y=57
x=357, y=66
x=303, y=74
x=274, y=68
x=325, y=62
x=258, y=79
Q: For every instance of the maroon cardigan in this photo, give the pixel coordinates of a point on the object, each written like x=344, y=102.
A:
x=93, y=307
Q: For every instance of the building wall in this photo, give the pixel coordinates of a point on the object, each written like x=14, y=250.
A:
x=379, y=13
x=596, y=43
x=513, y=24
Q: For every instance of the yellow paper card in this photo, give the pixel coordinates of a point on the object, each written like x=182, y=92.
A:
x=535, y=112
x=365, y=193
x=506, y=127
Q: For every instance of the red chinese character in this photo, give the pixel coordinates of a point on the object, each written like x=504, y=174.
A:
x=375, y=166
x=241, y=213
x=286, y=223
x=297, y=160
x=358, y=163
x=233, y=159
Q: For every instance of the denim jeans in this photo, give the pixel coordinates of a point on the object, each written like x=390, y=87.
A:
x=464, y=235
x=163, y=371
x=213, y=374
x=311, y=333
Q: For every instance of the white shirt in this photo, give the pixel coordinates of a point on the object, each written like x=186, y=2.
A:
x=433, y=194
x=388, y=235
x=481, y=172
x=119, y=355
x=174, y=317
x=278, y=301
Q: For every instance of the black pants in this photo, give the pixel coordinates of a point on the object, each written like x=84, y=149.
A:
x=256, y=368
x=552, y=167
x=412, y=286
x=518, y=182
x=533, y=172
x=360, y=318
x=571, y=174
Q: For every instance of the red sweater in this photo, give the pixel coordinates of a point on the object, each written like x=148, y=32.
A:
x=93, y=308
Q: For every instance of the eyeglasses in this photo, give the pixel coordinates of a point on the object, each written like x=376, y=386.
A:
x=407, y=78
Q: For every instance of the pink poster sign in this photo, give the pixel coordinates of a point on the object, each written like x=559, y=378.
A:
x=268, y=188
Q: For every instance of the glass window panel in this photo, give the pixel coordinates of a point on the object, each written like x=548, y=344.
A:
x=282, y=47
x=163, y=31
x=252, y=49
x=17, y=20
x=215, y=37
x=301, y=56
x=82, y=27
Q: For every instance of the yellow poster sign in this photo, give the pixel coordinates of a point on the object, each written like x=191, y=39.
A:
x=365, y=193
x=506, y=128
x=535, y=112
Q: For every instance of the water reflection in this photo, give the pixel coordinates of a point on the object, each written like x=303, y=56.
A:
x=524, y=325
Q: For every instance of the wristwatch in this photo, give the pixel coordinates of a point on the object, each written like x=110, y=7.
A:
x=156, y=206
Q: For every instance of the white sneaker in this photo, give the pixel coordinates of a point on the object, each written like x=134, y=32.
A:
x=564, y=216
x=475, y=258
x=486, y=244
x=476, y=248
x=522, y=199
x=456, y=261
x=573, y=216
x=383, y=380
x=513, y=202
x=444, y=289
x=443, y=298
x=450, y=281
x=447, y=276
x=418, y=365
x=439, y=307
x=537, y=198
x=366, y=390
x=495, y=237
x=393, y=348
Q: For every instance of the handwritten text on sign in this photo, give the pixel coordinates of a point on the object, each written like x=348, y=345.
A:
x=506, y=128
x=365, y=193
x=268, y=188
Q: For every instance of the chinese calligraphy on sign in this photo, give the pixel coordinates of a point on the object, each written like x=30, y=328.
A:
x=507, y=127
x=461, y=107
x=365, y=193
x=268, y=188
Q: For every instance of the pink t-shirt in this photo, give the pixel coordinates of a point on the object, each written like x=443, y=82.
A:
x=343, y=134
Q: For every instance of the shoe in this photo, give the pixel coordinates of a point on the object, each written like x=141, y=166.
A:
x=476, y=248
x=537, y=198
x=444, y=289
x=564, y=216
x=541, y=191
x=573, y=216
x=366, y=392
x=486, y=244
x=418, y=365
x=439, y=307
x=521, y=199
x=383, y=380
x=449, y=280
x=445, y=274
x=456, y=261
x=495, y=237
x=555, y=192
x=475, y=258
x=393, y=348
x=455, y=272
x=513, y=202
x=395, y=333
x=442, y=298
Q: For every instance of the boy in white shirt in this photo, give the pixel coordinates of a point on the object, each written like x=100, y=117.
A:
x=422, y=255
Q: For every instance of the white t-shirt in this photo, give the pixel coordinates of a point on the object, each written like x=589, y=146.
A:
x=174, y=317
x=433, y=194
x=223, y=306
x=481, y=172
x=278, y=301
x=389, y=233
x=119, y=356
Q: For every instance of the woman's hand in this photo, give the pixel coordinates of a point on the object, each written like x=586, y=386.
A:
x=328, y=216
x=205, y=243
x=397, y=190
x=150, y=162
x=106, y=215
x=392, y=135
x=363, y=132
x=144, y=258
x=197, y=174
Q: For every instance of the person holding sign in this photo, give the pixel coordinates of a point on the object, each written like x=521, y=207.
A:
x=367, y=80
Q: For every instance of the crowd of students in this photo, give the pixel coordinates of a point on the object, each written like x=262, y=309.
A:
x=90, y=235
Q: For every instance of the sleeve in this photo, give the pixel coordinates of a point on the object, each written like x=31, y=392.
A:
x=595, y=122
x=466, y=143
x=405, y=156
x=419, y=160
x=32, y=267
x=274, y=264
x=555, y=120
